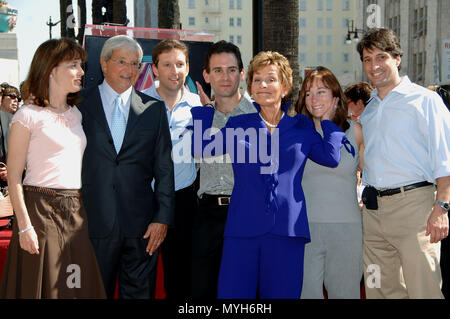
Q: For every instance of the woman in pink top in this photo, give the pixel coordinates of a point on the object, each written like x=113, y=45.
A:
x=50, y=255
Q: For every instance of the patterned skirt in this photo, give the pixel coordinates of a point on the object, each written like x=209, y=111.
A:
x=66, y=266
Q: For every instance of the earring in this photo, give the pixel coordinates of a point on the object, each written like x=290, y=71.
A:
x=51, y=75
x=282, y=96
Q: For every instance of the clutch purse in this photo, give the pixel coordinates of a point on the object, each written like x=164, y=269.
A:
x=6, y=208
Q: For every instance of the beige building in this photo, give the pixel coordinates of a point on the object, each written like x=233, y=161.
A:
x=9, y=64
x=423, y=29
x=230, y=20
x=323, y=26
x=146, y=14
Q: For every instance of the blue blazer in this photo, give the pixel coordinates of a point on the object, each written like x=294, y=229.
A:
x=267, y=196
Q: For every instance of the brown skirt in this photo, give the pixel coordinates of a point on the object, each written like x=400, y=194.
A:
x=66, y=266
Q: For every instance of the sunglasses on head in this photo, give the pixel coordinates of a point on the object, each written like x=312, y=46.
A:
x=13, y=96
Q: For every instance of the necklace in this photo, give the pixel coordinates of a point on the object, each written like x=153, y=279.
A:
x=270, y=124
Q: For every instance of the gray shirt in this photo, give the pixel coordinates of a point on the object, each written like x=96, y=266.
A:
x=5, y=119
x=216, y=173
x=330, y=193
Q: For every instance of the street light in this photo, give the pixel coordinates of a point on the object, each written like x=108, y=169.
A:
x=352, y=30
x=51, y=25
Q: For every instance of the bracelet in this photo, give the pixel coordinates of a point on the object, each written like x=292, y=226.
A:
x=209, y=104
x=25, y=230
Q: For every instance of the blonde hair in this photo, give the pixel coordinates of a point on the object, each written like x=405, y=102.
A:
x=265, y=58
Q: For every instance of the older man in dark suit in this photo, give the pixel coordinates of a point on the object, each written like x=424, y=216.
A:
x=128, y=145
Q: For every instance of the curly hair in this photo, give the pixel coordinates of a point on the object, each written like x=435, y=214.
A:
x=265, y=58
x=383, y=39
x=359, y=91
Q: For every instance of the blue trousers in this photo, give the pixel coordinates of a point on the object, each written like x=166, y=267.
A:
x=271, y=265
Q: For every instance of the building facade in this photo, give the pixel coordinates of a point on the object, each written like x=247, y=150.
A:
x=421, y=25
x=323, y=26
x=9, y=64
x=423, y=29
x=230, y=20
x=146, y=13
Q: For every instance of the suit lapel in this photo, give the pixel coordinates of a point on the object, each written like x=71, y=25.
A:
x=96, y=110
x=136, y=108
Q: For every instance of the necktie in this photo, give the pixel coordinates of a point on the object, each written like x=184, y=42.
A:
x=118, y=124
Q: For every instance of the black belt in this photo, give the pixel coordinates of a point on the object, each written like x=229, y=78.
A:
x=220, y=200
x=393, y=191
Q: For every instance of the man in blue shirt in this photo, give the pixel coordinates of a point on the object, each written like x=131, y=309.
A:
x=171, y=67
x=406, y=131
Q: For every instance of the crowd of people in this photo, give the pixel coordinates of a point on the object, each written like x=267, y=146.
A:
x=242, y=200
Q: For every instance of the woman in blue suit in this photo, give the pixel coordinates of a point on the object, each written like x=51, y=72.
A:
x=267, y=227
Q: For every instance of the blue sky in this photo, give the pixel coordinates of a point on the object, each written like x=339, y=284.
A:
x=31, y=28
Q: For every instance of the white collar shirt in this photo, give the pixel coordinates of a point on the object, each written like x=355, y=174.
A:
x=179, y=118
x=109, y=95
x=406, y=136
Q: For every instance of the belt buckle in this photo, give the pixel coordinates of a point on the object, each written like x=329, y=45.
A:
x=223, y=201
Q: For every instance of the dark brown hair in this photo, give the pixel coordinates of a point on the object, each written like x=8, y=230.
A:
x=329, y=81
x=359, y=91
x=48, y=56
x=444, y=93
x=168, y=45
x=383, y=39
x=10, y=89
x=223, y=47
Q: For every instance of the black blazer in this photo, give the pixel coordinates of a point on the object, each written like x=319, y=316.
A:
x=119, y=185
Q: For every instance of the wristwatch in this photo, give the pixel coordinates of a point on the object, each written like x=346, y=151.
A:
x=444, y=205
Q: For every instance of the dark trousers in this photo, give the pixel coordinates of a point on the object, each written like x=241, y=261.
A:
x=176, y=247
x=445, y=267
x=207, y=242
x=125, y=259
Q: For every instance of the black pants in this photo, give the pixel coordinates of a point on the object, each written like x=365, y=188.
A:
x=207, y=242
x=176, y=247
x=445, y=267
x=125, y=259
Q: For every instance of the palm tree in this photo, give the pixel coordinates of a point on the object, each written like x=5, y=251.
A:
x=169, y=14
x=97, y=15
x=66, y=30
x=280, y=31
x=82, y=8
x=68, y=19
x=116, y=11
x=120, y=12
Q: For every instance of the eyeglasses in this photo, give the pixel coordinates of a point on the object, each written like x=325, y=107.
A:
x=13, y=96
x=123, y=63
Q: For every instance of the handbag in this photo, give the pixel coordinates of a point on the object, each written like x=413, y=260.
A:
x=6, y=208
